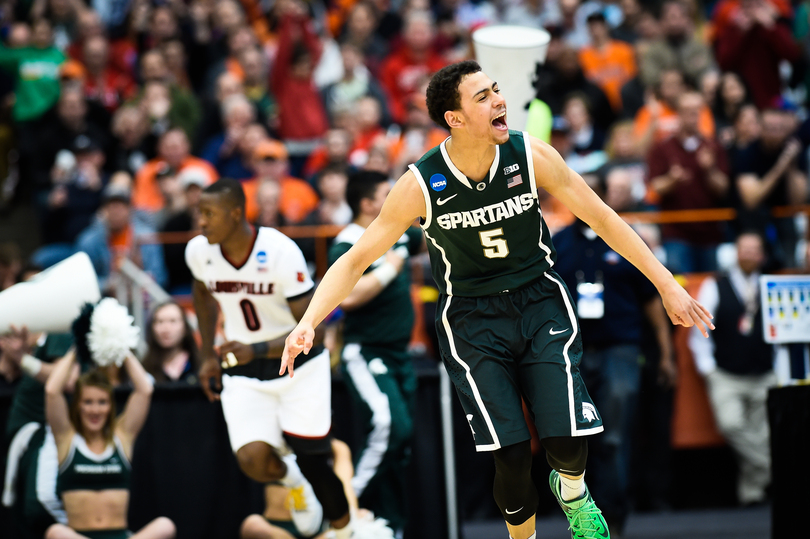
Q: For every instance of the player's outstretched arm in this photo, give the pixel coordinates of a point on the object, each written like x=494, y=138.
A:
x=404, y=204
x=553, y=175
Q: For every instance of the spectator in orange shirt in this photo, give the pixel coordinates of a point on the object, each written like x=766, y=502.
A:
x=271, y=163
x=403, y=70
x=173, y=149
x=609, y=63
x=658, y=118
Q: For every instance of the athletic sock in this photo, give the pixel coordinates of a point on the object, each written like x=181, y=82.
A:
x=344, y=533
x=571, y=489
x=294, y=477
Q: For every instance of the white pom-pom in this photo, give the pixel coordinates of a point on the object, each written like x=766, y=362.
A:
x=112, y=334
x=369, y=527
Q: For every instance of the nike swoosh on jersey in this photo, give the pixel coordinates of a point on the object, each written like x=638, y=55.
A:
x=508, y=512
x=442, y=202
x=552, y=332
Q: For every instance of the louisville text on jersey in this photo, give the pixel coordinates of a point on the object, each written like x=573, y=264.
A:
x=236, y=287
x=488, y=214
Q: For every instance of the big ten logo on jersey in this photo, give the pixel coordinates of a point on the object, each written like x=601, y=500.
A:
x=438, y=182
x=510, y=169
x=261, y=260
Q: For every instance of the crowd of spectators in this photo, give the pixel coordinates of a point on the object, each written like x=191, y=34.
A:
x=706, y=102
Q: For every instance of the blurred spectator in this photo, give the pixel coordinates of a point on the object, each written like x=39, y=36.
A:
x=418, y=136
x=167, y=104
x=36, y=70
x=732, y=95
x=192, y=180
x=532, y=13
x=134, y=145
x=174, y=53
x=367, y=128
x=227, y=85
x=737, y=365
x=302, y=118
x=753, y=45
x=747, y=129
x=607, y=62
x=255, y=83
x=116, y=235
x=586, y=141
x=632, y=16
x=72, y=120
x=356, y=83
x=658, y=118
x=222, y=150
x=773, y=172
x=63, y=15
x=404, y=69
x=623, y=156
x=563, y=75
x=10, y=264
x=332, y=209
x=267, y=200
x=689, y=171
x=333, y=152
x=173, y=149
x=77, y=178
x=122, y=53
x=677, y=48
x=270, y=162
x=575, y=14
x=102, y=83
x=360, y=32
x=171, y=354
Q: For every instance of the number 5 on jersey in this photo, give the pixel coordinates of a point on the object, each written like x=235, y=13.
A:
x=494, y=247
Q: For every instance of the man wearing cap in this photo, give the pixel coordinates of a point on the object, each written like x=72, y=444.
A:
x=270, y=162
x=174, y=150
x=115, y=236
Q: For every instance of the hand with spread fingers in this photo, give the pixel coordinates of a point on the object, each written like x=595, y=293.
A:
x=298, y=341
x=684, y=310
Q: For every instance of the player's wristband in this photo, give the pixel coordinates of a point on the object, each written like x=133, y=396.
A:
x=260, y=349
x=385, y=273
x=30, y=365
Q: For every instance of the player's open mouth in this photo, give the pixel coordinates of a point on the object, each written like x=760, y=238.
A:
x=499, y=122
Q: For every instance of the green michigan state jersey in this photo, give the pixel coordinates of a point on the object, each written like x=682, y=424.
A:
x=387, y=319
x=484, y=237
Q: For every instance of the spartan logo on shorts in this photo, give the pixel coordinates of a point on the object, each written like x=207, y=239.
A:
x=589, y=412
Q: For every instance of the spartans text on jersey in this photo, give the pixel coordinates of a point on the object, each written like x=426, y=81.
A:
x=488, y=214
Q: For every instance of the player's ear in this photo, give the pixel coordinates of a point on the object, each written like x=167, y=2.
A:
x=453, y=118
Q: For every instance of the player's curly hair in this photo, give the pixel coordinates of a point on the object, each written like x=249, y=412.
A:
x=442, y=92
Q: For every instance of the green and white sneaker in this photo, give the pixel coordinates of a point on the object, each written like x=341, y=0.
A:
x=584, y=518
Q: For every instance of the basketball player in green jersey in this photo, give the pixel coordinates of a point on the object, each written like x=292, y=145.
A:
x=506, y=323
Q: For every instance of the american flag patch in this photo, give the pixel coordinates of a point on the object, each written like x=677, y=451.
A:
x=513, y=181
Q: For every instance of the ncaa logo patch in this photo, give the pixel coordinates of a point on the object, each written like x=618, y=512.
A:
x=438, y=182
x=261, y=257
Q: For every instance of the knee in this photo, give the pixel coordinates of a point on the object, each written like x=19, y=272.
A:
x=164, y=528
x=252, y=527
x=566, y=454
x=260, y=463
x=514, y=460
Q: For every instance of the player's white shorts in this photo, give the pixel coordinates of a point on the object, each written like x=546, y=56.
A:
x=262, y=410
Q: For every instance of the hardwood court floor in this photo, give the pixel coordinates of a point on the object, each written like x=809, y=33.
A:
x=752, y=523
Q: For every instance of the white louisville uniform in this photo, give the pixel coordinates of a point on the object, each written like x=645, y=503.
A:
x=258, y=404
